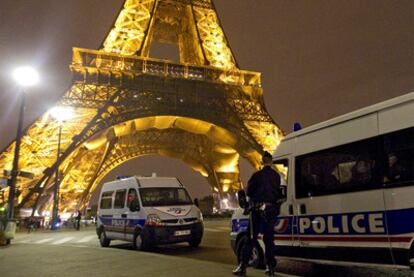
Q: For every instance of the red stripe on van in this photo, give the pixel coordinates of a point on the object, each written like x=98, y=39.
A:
x=325, y=238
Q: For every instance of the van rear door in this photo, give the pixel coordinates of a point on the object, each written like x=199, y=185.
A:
x=119, y=218
x=398, y=179
x=105, y=210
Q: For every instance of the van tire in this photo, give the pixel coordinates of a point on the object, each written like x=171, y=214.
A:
x=411, y=257
x=257, y=260
x=103, y=240
x=138, y=242
x=141, y=243
x=195, y=242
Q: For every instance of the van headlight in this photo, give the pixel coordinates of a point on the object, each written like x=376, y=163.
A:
x=153, y=220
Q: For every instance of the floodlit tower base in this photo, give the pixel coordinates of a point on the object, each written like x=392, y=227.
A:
x=203, y=110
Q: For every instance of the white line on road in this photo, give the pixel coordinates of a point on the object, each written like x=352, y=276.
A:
x=86, y=239
x=44, y=240
x=211, y=230
x=224, y=228
x=63, y=240
x=24, y=241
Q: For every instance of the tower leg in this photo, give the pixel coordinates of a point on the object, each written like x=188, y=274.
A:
x=225, y=187
x=229, y=200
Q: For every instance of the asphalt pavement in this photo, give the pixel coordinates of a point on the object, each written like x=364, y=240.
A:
x=77, y=253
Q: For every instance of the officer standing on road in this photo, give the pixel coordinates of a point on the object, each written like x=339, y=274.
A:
x=263, y=190
x=78, y=220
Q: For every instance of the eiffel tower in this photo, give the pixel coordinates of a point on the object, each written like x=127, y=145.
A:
x=204, y=110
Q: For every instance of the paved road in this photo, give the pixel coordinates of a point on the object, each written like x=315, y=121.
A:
x=70, y=253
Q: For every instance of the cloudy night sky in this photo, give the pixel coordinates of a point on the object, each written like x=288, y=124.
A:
x=318, y=59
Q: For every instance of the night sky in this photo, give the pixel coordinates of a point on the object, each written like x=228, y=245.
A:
x=319, y=59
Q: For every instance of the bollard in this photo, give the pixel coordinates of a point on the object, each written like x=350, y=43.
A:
x=3, y=240
x=10, y=231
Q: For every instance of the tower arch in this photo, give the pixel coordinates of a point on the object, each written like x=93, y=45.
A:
x=120, y=94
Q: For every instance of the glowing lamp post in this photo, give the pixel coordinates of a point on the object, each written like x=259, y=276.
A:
x=24, y=77
x=60, y=114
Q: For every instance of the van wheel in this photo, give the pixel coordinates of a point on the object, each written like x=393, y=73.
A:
x=195, y=242
x=411, y=257
x=103, y=240
x=257, y=257
x=140, y=243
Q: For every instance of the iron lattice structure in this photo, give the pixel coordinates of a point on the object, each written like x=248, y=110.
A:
x=203, y=110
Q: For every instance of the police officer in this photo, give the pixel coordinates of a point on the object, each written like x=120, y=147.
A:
x=263, y=190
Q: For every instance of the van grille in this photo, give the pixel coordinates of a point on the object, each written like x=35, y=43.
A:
x=190, y=219
x=170, y=221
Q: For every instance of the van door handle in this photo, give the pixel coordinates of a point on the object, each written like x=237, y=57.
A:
x=302, y=208
x=124, y=215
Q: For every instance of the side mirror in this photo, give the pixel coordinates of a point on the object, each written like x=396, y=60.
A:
x=196, y=202
x=134, y=206
x=241, y=196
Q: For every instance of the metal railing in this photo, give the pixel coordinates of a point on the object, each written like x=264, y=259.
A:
x=141, y=65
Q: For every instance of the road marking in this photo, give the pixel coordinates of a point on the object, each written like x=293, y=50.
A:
x=211, y=230
x=224, y=228
x=44, y=240
x=86, y=239
x=24, y=241
x=63, y=240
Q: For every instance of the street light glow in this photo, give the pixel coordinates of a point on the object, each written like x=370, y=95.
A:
x=26, y=76
x=61, y=113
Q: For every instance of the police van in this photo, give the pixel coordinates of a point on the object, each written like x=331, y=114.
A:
x=350, y=194
x=148, y=211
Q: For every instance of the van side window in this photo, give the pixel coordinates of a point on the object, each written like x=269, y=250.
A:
x=132, y=196
x=398, y=157
x=120, y=199
x=347, y=168
x=106, y=200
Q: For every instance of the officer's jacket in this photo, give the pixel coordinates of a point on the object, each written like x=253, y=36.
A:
x=264, y=186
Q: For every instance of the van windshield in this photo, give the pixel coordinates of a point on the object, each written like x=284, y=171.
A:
x=164, y=197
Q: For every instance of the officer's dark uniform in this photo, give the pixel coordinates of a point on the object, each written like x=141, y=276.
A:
x=262, y=188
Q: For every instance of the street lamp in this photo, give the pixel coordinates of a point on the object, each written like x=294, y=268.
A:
x=60, y=114
x=24, y=77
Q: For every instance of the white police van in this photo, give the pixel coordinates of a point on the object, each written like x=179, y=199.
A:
x=148, y=211
x=350, y=195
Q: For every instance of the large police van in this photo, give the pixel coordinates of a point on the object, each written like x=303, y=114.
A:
x=148, y=211
x=350, y=195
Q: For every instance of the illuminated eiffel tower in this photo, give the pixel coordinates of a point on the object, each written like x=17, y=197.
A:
x=203, y=110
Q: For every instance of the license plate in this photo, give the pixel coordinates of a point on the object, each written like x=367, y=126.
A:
x=182, y=233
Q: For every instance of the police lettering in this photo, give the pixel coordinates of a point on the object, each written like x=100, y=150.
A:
x=175, y=210
x=118, y=223
x=343, y=224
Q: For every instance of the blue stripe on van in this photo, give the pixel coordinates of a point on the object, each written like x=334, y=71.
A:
x=130, y=222
x=400, y=221
x=136, y=222
x=363, y=223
